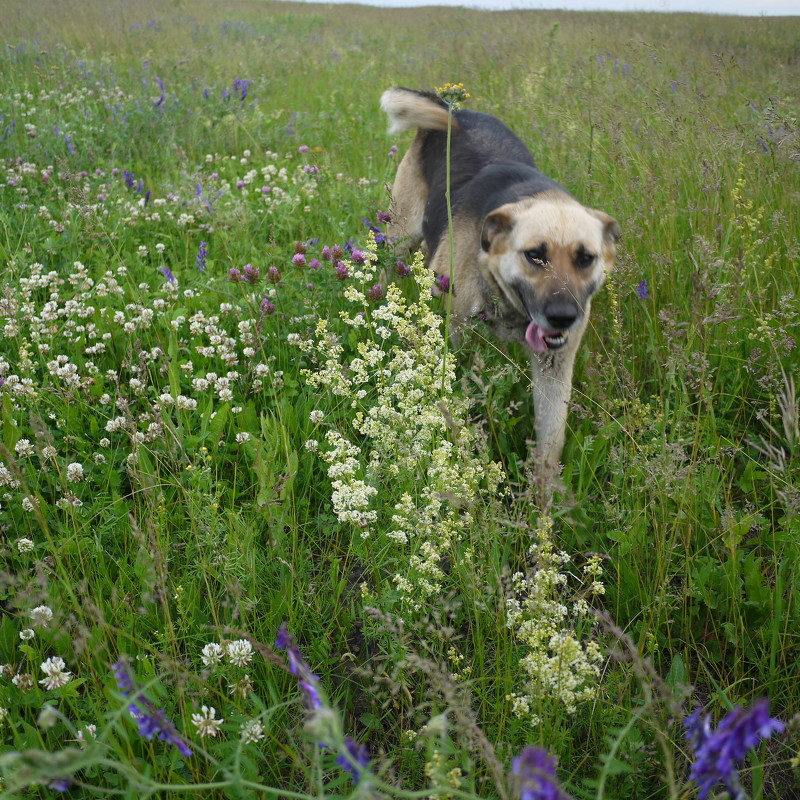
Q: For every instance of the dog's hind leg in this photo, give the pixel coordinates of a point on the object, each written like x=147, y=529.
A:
x=409, y=196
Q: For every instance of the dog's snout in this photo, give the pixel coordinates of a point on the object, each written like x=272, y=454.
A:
x=561, y=314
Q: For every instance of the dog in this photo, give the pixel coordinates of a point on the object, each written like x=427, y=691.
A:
x=527, y=256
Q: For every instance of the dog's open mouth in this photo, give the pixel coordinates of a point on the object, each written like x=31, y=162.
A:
x=541, y=340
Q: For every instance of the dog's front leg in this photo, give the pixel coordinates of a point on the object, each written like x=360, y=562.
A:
x=552, y=388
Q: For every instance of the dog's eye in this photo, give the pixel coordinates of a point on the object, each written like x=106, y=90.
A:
x=537, y=256
x=584, y=259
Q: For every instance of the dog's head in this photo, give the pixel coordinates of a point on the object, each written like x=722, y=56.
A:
x=547, y=255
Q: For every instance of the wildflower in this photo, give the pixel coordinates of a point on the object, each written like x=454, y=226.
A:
x=273, y=275
x=57, y=677
x=206, y=722
x=252, y=732
x=24, y=681
x=337, y=251
x=24, y=448
x=402, y=269
x=250, y=273
x=304, y=148
x=167, y=273
x=24, y=545
x=74, y=472
x=358, y=257
x=342, y=273
x=234, y=276
x=242, y=437
x=48, y=717
x=239, y=652
x=535, y=772
x=160, y=100
x=300, y=248
x=326, y=255
x=241, y=688
x=453, y=94
x=384, y=217
x=443, y=283
x=41, y=616
x=202, y=255
x=267, y=307
x=306, y=679
x=355, y=759
x=152, y=722
x=316, y=416
x=718, y=752
x=240, y=87
x=212, y=654
x=26, y=634
x=376, y=293
x=641, y=290
x=299, y=260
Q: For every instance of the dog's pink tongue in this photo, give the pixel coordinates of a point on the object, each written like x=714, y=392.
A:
x=534, y=336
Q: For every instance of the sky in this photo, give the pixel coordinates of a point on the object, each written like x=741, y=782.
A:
x=742, y=7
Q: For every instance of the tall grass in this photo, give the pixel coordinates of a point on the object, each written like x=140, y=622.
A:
x=425, y=593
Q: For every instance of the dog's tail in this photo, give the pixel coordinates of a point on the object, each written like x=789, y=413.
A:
x=408, y=108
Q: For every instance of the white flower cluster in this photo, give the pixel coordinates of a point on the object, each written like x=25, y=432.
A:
x=400, y=384
x=558, y=664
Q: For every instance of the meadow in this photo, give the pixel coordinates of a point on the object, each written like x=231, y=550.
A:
x=264, y=531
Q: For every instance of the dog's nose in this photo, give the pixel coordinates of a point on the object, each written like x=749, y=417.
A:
x=560, y=316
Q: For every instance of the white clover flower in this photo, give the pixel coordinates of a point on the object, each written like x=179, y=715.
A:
x=24, y=545
x=24, y=681
x=105, y=442
x=48, y=451
x=57, y=677
x=312, y=445
x=74, y=472
x=242, y=437
x=26, y=634
x=206, y=722
x=24, y=448
x=252, y=732
x=212, y=654
x=239, y=652
x=41, y=616
x=142, y=251
x=316, y=416
x=226, y=395
x=48, y=717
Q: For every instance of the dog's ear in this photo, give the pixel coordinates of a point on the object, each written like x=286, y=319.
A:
x=498, y=223
x=611, y=230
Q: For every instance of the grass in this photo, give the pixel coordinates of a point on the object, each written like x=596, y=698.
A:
x=206, y=511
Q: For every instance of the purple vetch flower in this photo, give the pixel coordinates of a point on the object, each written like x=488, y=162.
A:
x=298, y=666
x=153, y=723
x=59, y=785
x=641, y=290
x=129, y=178
x=534, y=771
x=160, y=100
x=718, y=752
x=167, y=273
x=202, y=255
x=357, y=760
x=240, y=88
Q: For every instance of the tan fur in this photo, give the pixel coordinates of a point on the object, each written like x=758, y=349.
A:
x=409, y=195
x=408, y=110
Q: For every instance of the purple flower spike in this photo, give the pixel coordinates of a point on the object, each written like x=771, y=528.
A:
x=167, y=273
x=153, y=723
x=298, y=666
x=267, y=307
x=202, y=255
x=342, y=273
x=641, y=290
x=718, y=753
x=358, y=753
x=250, y=273
x=535, y=771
